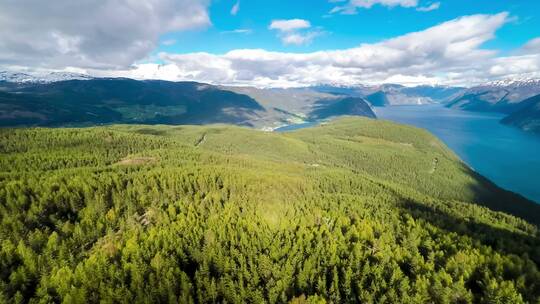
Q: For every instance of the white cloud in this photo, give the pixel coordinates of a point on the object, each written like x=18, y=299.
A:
x=106, y=34
x=299, y=39
x=235, y=8
x=238, y=31
x=532, y=46
x=448, y=53
x=516, y=66
x=291, y=31
x=526, y=61
x=433, y=6
x=351, y=6
x=289, y=25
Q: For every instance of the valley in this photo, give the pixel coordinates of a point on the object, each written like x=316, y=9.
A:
x=280, y=152
x=67, y=99
x=98, y=101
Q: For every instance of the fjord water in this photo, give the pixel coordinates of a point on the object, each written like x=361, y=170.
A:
x=507, y=156
x=296, y=126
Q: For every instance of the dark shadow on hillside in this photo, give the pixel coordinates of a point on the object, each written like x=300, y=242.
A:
x=104, y=101
x=378, y=99
x=342, y=106
x=487, y=194
x=499, y=239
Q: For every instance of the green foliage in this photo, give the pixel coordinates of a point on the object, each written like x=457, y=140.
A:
x=99, y=101
x=352, y=211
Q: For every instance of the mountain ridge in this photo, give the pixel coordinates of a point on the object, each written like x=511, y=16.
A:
x=503, y=96
x=50, y=77
x=27, y=99
x=123, y=100
x=528, y=117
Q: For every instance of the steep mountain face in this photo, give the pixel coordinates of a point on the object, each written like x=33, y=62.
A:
x=338, y=107
x=356, y=210
x=378, y=99
x=297, y=105
x=528, y=117
x=501, y=96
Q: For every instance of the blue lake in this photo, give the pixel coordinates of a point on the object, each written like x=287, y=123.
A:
x=507, y=156
x=296, y=126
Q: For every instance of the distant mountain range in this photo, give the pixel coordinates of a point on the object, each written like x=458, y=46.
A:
x=41, y=78
x=517, y=98
x=501, y=96
x=62, y=98
x=91, y=101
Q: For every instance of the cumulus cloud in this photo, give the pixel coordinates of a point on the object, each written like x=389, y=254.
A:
x=289, y=25
x=351, y=6
x=106, y=34
x=300, y=39
x=532, y=46
x=448, y=53
x=526, y=61
x=516, y=66
x=292, y=31
x=433, y=6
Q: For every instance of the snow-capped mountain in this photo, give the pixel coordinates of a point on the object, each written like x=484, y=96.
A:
x=523, y=82
x=18, y=77
x=503, y=96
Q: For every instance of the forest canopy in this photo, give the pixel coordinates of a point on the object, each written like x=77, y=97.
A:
x=355, y=210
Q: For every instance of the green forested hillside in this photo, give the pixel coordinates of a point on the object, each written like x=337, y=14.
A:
x=356, y=210
x=120, y=100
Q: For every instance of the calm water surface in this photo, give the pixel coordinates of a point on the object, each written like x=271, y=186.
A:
x=296, y=126
x=507, y=156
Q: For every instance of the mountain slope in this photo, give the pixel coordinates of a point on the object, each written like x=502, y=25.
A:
x=378, y=99
x=502, y=96
x=528, y=118
x=124, y=100
x=296, y=105
x=116, y=100
x=356, y=210
x=346, y=106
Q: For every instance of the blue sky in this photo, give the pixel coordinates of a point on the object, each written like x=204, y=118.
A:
x=276, y=43
x=345, y=31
